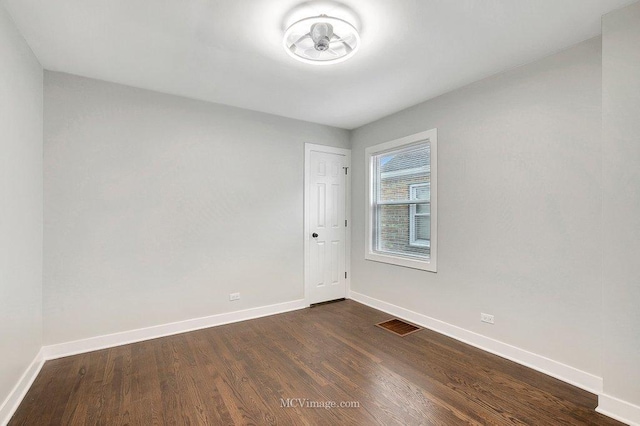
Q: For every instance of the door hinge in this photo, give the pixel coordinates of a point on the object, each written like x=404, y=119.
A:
x=345, y=223
x=346, y=170
x=345, y=275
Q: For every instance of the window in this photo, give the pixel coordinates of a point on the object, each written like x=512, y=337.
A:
x=401, y=208
x=420, y=215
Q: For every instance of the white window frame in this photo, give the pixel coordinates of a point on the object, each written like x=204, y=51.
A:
x=429, y=264
x=413, y=241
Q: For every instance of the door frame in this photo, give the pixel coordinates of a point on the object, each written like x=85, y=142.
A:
x=308, y=148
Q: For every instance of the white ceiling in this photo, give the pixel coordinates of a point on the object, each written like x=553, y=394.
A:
x=230, y=51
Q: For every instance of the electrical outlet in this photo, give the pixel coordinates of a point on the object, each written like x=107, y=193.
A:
x=234, y=296
x=486, y=318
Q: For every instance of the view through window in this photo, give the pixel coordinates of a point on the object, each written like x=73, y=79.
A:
x=402, y=202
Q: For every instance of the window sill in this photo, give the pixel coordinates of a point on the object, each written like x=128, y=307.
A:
x=423, y=265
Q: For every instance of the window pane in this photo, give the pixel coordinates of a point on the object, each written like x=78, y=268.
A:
x=402, y=175
x=421, y=192
x=397, y=171
x=423, y=208
x=423, y=229
x=393, y=232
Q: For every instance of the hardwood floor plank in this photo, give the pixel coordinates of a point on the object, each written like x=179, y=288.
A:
x=439, y=365
x=282, y=369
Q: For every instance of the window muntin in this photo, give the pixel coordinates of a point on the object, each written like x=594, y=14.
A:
x=401, y=205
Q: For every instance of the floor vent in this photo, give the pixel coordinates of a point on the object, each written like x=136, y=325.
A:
x=399, y=327
x=313, y=305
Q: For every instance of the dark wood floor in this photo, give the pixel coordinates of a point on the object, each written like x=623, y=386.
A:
x=241, y=373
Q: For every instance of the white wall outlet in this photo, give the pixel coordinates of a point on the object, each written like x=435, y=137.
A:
x=234, y=296
x=486, y=318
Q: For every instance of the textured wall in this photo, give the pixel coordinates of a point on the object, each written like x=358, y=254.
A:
x=621, y=212
x=157, y=207
x=519, y=196
x=20, y=206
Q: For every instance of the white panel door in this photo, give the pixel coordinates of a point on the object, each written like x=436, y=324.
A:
x=327, y=226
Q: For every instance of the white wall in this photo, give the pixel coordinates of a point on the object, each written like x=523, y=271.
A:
x=157, y=207
x=621, y=209
x=20, y=206
x=519, y=196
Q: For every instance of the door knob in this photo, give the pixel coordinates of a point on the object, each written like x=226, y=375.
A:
x=314, y=235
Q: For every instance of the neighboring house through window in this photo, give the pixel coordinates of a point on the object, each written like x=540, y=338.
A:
x=401, y=216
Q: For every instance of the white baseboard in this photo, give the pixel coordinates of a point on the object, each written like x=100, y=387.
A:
x=11, y=403
x=608, y=405
x=571, y=375
x=618, y=409
x=132, y=336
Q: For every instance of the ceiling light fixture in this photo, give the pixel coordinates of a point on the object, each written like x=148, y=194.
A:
x=321, y=40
